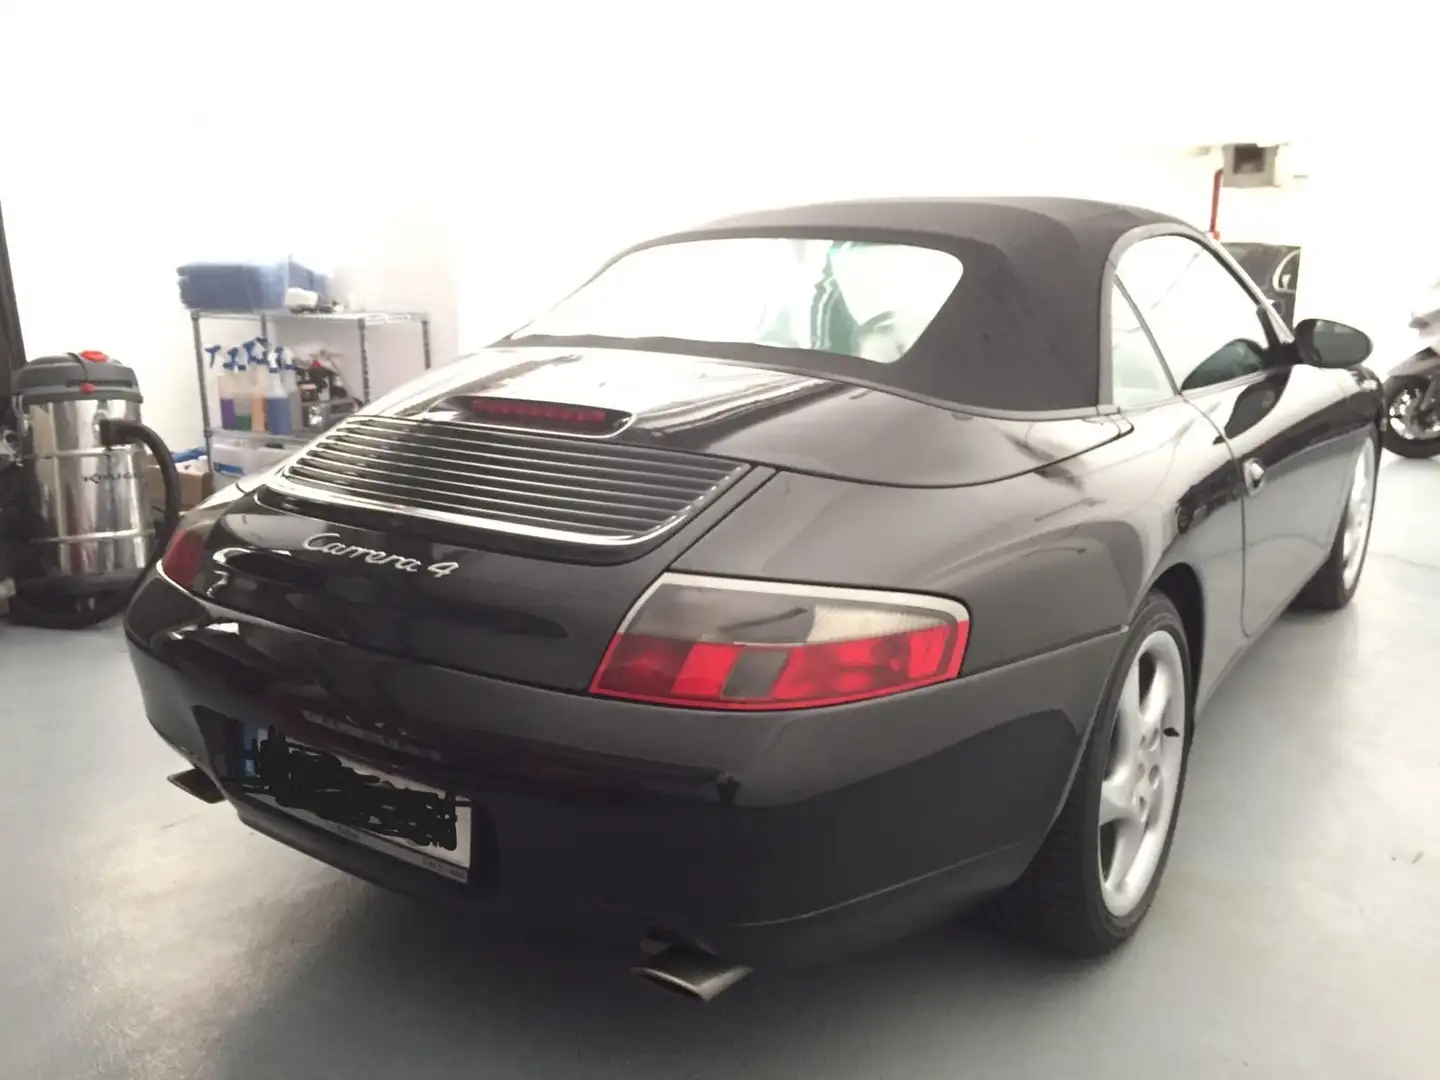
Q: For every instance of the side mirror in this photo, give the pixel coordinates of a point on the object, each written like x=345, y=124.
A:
x=1328, y=344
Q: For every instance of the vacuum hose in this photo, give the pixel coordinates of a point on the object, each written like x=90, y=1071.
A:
x=115, y=433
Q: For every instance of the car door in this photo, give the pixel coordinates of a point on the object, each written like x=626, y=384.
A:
x=1288, y=425
x=1198, y=498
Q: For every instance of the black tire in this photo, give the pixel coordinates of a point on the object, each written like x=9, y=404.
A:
x=1057, y=903
x=1409, y=448
x=1327, y=591
x=1392, y=440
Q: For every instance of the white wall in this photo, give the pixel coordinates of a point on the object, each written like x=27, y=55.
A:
x=257, y=135
x=392, y=246
x=94, y=247
x=94, y=263
x=1381, y=240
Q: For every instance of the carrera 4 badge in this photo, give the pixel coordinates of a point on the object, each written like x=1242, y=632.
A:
x=331, y=544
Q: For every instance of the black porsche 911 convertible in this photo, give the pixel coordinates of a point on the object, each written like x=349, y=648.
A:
x=795, y=583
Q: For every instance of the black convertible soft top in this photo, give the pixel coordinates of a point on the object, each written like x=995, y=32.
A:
x=1021, y=330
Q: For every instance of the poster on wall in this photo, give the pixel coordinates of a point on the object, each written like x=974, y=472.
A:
x=1276, y=269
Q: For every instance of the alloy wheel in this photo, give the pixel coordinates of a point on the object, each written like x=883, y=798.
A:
x=1409, y=421
x=1142, y=776
x=1358, y=515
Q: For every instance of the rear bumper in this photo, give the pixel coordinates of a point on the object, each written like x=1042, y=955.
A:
x=763, y=837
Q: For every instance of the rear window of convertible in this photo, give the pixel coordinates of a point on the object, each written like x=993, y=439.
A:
x=867, y=300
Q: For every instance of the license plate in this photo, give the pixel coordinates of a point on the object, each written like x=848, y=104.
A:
x=416, y=823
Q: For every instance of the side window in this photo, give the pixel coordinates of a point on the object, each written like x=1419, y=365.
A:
x=1137, y=375
x=1205, y=323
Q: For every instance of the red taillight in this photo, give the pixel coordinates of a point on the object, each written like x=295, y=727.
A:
x=181, y=561
x=717, y=643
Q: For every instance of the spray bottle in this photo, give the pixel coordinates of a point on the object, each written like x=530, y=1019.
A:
x=237, y=390
x=256, y=378
x=223, y=390
x=292, y=390
x=277, y=400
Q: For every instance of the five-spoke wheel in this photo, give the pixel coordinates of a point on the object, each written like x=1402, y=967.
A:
x=1142, y=776
x=1094, y=877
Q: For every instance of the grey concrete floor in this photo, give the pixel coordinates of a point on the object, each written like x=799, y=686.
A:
x=143, y=934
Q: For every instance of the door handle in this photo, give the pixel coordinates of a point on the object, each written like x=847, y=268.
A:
x=1254, y=476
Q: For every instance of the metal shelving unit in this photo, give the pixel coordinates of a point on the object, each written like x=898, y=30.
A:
x=361, y=320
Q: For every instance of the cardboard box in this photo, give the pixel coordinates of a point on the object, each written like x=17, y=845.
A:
x=195, y=485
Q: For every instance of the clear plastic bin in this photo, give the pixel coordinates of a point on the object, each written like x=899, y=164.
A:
x=269, y=455
x=230, y=459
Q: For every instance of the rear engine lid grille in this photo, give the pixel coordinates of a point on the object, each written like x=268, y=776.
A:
x=545, y=486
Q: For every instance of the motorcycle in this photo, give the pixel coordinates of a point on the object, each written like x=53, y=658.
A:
x=1412, y=396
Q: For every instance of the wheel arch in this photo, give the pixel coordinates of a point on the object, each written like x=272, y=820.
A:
x=1181, y=585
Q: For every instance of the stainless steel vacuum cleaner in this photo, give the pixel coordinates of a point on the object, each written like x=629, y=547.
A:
x=78, y=524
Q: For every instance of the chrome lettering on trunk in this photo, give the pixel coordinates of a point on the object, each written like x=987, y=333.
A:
x=331, y=544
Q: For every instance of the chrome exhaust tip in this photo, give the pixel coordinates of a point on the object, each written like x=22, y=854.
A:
x=196, y=782
x=688, y=971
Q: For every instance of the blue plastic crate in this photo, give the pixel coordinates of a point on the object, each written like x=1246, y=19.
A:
x=211, y=286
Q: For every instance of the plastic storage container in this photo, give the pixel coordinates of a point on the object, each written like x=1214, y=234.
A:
x=269, y=454
x=230, y=459
x=211, y=286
